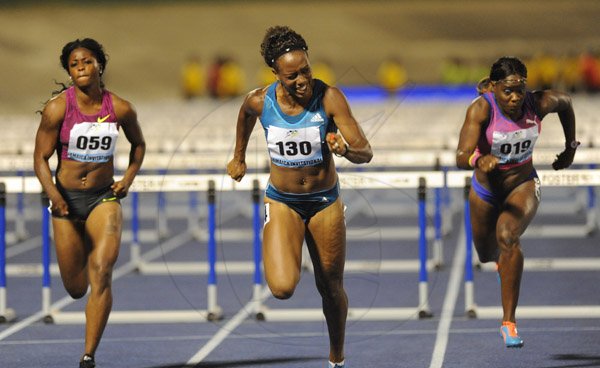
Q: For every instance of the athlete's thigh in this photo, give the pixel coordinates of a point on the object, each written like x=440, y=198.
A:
x=484, y=217
x=283, y=236
x=103, y=228
x=327, y=238
x=71, y=251
x=519, y=209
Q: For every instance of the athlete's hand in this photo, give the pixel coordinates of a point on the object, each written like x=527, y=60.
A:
x=336, y=144
x=487, y=163
x=59, y=207
x=564, y=159
x=120, y=188
x=236, y=169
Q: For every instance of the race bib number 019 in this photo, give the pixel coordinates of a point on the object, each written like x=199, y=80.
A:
x=513, y=147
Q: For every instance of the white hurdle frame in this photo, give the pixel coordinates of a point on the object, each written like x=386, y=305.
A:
x=187, y=183
x=380, y=180
x=150, y=184
x=549, y=178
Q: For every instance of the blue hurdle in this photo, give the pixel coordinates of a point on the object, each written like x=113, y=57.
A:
x=6, y=314
x=549, y=178
x=189, y=183
x=419, y=180
x=46, y=279
x=213, y=311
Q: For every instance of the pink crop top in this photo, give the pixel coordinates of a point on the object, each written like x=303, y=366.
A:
x=88, y=138
x=511, y=141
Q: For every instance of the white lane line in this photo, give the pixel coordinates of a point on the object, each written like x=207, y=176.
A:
x=441, y=341
x=222, y=334
x=128, y=267
x=255, y=336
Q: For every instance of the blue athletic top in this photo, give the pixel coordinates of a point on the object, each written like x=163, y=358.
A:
x=297, y=140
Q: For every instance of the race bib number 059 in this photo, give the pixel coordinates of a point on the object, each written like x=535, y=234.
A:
x=93, y=142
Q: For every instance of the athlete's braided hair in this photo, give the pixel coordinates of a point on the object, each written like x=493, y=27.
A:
x=279, y=40
x=505, y=66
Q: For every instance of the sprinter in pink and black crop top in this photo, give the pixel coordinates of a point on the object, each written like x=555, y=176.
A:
x=88, y=138
x=81, y=123
x=497, y=141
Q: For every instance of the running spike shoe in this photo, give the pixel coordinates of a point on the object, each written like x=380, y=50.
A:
x=510, y=335
x=87, y=361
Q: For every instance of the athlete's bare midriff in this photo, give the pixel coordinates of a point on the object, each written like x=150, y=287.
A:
x=308, y=179
x=75, y=175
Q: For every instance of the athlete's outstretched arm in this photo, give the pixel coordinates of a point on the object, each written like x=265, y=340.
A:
x=358, y=150
x=553, y=101
x=249, y=112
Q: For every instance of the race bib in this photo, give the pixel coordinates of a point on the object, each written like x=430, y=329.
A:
x=514, y=147
x=93, y=142
x=295, y=147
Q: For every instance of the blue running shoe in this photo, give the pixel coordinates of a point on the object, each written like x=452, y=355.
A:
x=510, y=335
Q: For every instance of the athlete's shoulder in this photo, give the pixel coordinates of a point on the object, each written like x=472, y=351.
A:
x=124, y=110
x=56, y=107
x=479, y=109
x=255, y=100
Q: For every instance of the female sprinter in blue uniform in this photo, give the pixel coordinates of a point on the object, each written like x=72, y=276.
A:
x=300, y=116
x=82, y=124
x=497, y=140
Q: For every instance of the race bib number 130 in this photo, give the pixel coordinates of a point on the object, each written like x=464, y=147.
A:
x=295, y=147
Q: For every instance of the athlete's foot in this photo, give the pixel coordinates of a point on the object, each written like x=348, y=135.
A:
x=87, y=361
x=342, y=364
x=510, y=335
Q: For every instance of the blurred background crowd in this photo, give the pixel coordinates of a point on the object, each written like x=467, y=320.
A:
x=201, y=49
x=224, y=77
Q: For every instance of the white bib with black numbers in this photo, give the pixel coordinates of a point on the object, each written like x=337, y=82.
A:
x=93, y=142
x=515, y=146
x=295, y=147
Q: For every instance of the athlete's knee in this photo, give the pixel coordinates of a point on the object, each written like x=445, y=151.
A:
x=281, y=290
x=76, y=291
x=282, y=285
x=331, y=286
x=508, y=239
x=487, y=256
x=100, y=274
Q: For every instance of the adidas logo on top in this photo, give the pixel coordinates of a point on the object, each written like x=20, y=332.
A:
x=317, y=118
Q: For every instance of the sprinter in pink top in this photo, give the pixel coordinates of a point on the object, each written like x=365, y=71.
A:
x=497, y=141
x=88, y=138
x=82, y=124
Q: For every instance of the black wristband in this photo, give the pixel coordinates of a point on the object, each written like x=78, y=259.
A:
x=345, y=152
